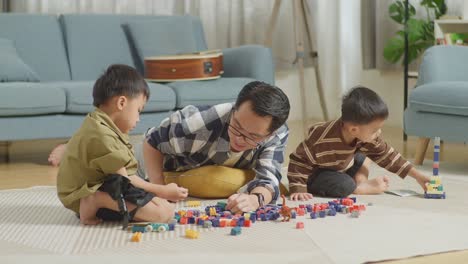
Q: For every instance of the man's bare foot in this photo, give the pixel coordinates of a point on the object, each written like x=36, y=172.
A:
x=375, y=186
x=57, y=154
x=88, y=209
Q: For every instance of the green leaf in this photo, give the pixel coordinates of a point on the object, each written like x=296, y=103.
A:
x=394, y=49
x=397, y=11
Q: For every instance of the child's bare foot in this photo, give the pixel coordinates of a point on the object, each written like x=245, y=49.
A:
x=88, y=209
x=375, y=186
x=56, y=155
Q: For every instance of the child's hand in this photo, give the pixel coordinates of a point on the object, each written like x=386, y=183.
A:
x=172, y=192
x=419, y=177
x=422, y=180
x=301, y=196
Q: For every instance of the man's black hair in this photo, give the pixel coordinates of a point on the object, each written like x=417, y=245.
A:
x=266, y=100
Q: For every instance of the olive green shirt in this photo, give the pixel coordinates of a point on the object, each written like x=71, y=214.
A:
x=96, y=150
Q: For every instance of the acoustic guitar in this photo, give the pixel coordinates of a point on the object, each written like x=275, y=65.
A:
x=204, y=65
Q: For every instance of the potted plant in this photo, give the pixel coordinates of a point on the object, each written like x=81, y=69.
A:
x=420, y=31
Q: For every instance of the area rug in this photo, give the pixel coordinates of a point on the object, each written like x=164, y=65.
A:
x=33, y=223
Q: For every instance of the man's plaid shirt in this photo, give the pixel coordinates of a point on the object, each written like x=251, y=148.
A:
x=198, y=136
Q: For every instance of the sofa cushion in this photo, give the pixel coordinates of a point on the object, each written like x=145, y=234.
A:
x=80, y=97
x=209, y=92
x=38, y=40
x=441, y=97
x=12, y=67
x=26, y=99
x=152, y=37
x=95, y=41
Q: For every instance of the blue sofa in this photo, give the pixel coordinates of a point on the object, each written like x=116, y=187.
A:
x=50, y=64
x=438, y=106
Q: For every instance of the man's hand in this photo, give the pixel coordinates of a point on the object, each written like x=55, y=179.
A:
x=242, y=202
x=301, y=196
x=174, y=193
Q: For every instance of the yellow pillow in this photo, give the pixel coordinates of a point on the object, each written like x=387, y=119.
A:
x=212, y=181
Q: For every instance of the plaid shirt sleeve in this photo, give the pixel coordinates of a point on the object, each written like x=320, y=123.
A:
x=186, y=131
x=268, y=164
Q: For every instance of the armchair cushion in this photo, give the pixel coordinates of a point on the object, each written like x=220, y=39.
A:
x=441, y=97
x=12, y=67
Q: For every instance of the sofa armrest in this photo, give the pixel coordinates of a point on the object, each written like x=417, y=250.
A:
x=252, y=61
x=443, y=64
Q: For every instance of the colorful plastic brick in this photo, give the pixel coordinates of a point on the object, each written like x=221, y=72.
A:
x=207, y=224
x=193, y=203
x=136, y=237
x=235, y=231
x=313, y=215
x=355, y=214
x=192, y=234
x=139, y=228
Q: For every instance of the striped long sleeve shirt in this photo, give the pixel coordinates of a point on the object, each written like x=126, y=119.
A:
x=325, y=148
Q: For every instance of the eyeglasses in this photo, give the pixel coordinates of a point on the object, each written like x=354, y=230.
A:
x=248, y=140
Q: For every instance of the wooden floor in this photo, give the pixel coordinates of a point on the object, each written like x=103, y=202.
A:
x=35, y=172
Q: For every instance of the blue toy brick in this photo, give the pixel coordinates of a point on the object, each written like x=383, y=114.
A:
x=322, y=214
x=313, y=215
x=240, y=222
x=171, y=227
x=293, y=214
x=222, y=205
x=309, y=208
x=215, y=222
x=141, y=229
x=263, y=217
x=332, y=212
x=201, y=221
x=353, y=198
x=191, y=220
x=434, y=196
x=236, y=231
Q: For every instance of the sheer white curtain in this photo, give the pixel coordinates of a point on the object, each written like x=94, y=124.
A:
x=230, y=23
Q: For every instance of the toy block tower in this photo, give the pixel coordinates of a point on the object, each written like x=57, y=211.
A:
x=435, y=189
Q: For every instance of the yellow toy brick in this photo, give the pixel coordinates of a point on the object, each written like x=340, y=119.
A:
x=193, y=203
x=192, y=234
x=136, y=237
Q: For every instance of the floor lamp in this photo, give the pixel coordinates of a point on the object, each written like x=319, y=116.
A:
x=301, y=16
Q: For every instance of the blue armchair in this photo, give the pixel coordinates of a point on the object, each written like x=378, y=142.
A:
x=438, y=106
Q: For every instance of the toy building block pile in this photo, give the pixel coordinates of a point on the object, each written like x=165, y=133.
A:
x=435, y=189
x=218, y=216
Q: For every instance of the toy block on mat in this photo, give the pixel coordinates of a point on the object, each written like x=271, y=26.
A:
x=136, y=237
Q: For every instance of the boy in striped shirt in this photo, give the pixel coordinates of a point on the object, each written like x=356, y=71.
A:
x=334, y=159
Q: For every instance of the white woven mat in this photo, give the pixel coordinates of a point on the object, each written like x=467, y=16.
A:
x=33, y=222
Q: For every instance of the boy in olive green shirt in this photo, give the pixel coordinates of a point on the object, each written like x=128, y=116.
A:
x=96, y=178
